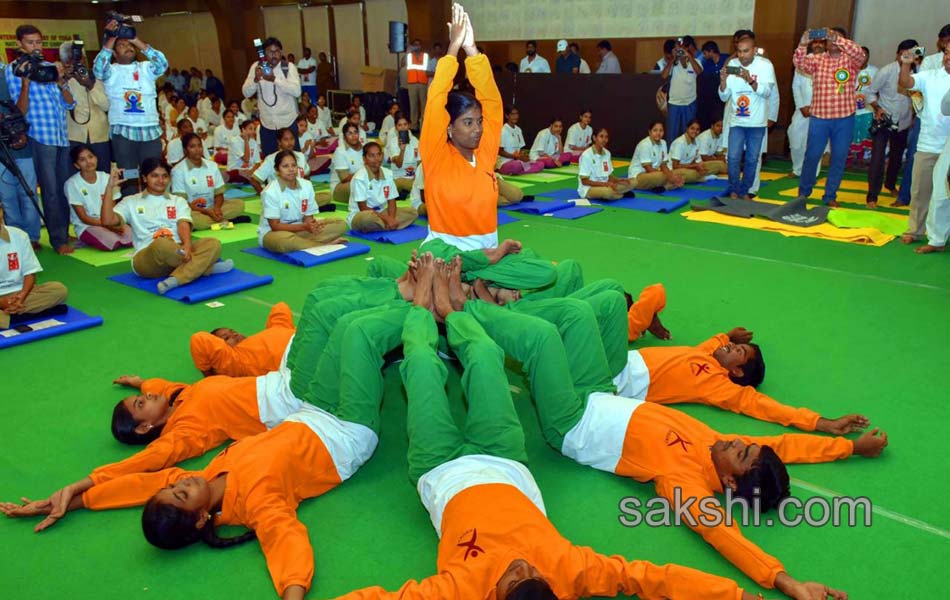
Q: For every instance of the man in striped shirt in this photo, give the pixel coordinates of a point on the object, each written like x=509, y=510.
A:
x=832, y=107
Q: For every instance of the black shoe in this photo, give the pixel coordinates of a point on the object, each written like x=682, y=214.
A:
x=751, y=195
x=658, y=190
x=527, y=198
x=328, y=208
x=630, y=194
x=241, y=219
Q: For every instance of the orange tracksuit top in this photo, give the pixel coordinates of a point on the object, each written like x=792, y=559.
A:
x=486, y=527
x=257, y=355
x=461, y=200
x=207, y=414
x=268, y=476
x=691, y=374
x=673, y=450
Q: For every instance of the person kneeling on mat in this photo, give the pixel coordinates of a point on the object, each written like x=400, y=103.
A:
x=224, y=351
x=20, y=296
x=198, y=180
x=288, y=206
x=161, y=232
x=373, y=197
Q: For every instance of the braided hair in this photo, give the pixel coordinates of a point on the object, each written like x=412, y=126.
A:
x=172, y=528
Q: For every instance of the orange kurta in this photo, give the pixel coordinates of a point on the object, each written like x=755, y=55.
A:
x=268, y=476
x=256, y=355
x=486, y=527
x=206, y=415
x=461, y=200
x=673, y=450
x=691, y=374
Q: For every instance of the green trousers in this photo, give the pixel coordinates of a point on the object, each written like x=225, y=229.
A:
x=522, y=271
x=386, y=268
x=328, y=301
x=569, y=278
x=610, y=310
x=491, y=426
x=352, y=361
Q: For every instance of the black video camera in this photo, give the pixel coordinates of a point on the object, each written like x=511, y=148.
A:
x=13, y=126
x=30, y=65
x=885, y=123
x=125, y=30
x=76, y=54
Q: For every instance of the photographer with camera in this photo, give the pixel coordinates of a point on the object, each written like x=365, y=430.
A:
x=893, y=117
x=49, y=97
x=682, y=72
x=130, y=87
x=88, y=123
x=276, y=84
x=17, y=201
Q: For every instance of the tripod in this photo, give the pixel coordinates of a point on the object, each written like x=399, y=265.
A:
x=10, y=163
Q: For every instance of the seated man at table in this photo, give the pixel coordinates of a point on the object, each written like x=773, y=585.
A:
x=20, y=296
x=373, y=195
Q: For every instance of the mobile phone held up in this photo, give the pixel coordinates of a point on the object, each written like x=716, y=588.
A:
x=731, y=70
x=128, y=174
x=404, y=137
x=818, y=34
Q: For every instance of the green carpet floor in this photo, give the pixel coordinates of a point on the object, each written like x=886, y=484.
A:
x=844, y=328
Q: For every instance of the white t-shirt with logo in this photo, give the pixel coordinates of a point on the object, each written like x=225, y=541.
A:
x=648, y=152
x=311, y=77
x=593, y=166
x=376, y=193
x=709, y=145
x=748, y=107
x=285, y=204
x=19, y=260
x=578, y=137
x=410, y=158
x=512, y=141
x=545, y=144
x=147, y=215
x=267, y=172
x=223, y=135
x=685, y=150
x=197, y=183
x=80, y=192
x=236, y=153
x=344, y=159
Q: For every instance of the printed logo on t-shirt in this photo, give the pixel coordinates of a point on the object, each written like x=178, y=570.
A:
x=171, y=212
x=742, y=106
x=675, y=439
x=303, y=205
x=201, y=202
x=140, y=210
x=699, y=368
x=13, y=261
x=385, y=191
x=606, y=167
x=84, y=192
x=471, y=547
x=861, y=101
x=210, y=180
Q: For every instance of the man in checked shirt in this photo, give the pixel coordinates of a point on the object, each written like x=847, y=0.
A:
x=832, y=107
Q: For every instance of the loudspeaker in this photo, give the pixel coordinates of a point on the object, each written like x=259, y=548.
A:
x=397, y=37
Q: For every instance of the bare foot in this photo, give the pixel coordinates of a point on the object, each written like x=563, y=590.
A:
x=339, y=240
x=907, y=239
x=872, y=205
x=658, y=330
x=440, y=291
x=504, y=249
x=65, y=249
x=456, y=293
x=928, y=249
x=504, y=295
x=422, y=295
x=832, y=204
x=481, y=291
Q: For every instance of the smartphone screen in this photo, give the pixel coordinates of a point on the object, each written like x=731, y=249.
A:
x=817, y=34
x=733, y=70
x=404, y=137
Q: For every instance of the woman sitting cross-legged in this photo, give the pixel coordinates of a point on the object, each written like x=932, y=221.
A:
x=650, y=165
x=161, y=231
x=373, y=196
x=84, y=191
x=288, y=206
x=198, y=180
x=547, y=147
x=595, y=178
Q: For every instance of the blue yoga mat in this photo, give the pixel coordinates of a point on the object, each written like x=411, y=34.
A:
x=688, y=192
x=321, y=178
x=505, y=218
x=201, y=289
x=303, y=259
x=562, y=195
x=412, y=233
x=577, y=212
x=539, y=207
x=645, y=204
x=719, y=184
x=236, y=193
x=73, y=320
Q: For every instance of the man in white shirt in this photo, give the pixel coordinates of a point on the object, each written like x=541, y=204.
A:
x=533, y=62
x=19, y=293
x=277, y=87
x=746, y=91
x=682, y=72
x=307, y=68
x=609, y=63
x=935, y=60
x=934, y=134
x=798, y=128
x=576, y=49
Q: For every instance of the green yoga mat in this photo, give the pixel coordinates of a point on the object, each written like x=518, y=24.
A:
x=91, y=256
x=543, y=177
x=252, y=206
x=520, y=184
x=568, y=170
x=890, y=224
x=241, y=233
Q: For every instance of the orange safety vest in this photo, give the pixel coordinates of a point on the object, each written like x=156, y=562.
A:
x=416, y=68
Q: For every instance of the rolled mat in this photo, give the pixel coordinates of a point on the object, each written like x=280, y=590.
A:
x=201, y=289
x=302, y=258
x=399, y=236
x=577, y=212
x=653, y=205
x=47, y=327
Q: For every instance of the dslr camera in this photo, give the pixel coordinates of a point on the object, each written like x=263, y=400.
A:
x=262, y=57
x=125, y=30
x=885, y=123
x=75, y=59
x=30, y=65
